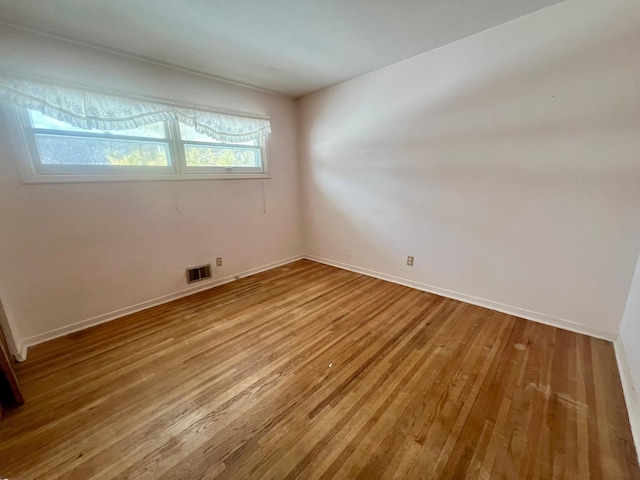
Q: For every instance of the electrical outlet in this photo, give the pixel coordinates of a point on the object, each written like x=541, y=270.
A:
x=219, y=262
x=410, y=261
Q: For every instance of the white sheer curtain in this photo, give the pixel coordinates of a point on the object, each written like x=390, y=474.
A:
x=87, y=109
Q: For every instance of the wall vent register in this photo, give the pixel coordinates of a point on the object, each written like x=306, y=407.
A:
x=196, y=274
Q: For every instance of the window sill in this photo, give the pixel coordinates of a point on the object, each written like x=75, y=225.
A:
x=35, y=179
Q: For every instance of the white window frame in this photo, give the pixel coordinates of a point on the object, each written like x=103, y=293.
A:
x=33, y=171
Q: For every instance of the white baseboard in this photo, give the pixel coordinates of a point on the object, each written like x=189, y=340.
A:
x=508, y=309
x=481, y=302
x=630, y=393
x=21, y=356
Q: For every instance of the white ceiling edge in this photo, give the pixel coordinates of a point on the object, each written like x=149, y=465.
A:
x=426, y=52
x=240, y=83
x=147, y=60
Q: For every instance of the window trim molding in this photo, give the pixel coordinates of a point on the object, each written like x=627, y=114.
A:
x=26, y=152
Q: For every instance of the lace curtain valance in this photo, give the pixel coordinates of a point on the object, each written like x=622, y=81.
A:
x=86, y=109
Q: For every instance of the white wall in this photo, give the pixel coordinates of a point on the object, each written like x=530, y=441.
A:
x=507, y=163
x=629, y=354
x=70, y=252
x=630, y=328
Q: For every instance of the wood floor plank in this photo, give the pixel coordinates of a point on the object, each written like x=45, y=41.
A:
x=308, y=371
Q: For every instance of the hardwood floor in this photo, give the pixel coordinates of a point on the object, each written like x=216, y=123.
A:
x=308, y=371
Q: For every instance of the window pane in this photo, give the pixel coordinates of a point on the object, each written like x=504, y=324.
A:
x=38, y=120
x=189, y=134
x=65, y=150
x=203, y=156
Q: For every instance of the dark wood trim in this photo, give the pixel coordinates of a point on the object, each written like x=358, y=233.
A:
x=10, y=392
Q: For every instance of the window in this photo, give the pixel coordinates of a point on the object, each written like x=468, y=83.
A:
x=167, y=149
x=203, y=153
x=62, y=148
x=70, y=134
